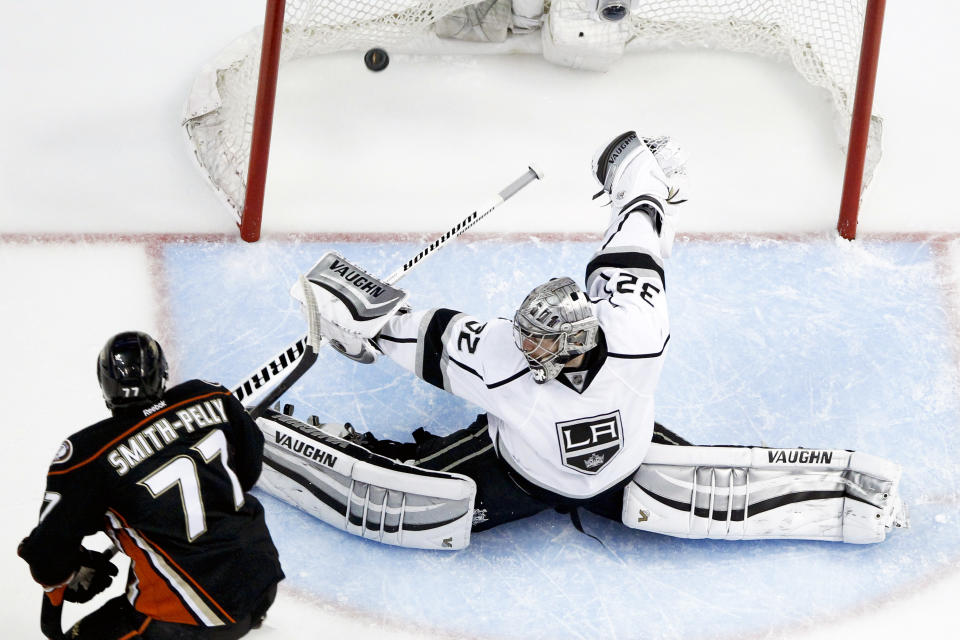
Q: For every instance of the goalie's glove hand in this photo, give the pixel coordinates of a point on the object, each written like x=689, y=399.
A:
x=347, y=306
x=94, y=574
x=349, y=343
x=673, y=162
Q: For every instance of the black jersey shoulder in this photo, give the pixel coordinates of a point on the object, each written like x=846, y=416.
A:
x=86, y=445
x=191, y=388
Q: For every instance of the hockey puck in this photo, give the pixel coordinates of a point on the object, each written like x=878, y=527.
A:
x=376, y=59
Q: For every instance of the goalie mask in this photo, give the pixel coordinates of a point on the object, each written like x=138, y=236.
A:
x=132, y=370
x=554, y=324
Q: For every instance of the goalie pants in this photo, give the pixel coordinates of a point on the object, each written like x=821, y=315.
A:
x=502, y=494
x=117, y=619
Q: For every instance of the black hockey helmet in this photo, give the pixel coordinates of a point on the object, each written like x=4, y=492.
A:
x=131, y=369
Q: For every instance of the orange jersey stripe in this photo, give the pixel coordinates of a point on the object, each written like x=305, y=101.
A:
x=134, y=428
x=136, y=634
x=156, y=598
x=190, y=578
x=178, y=568
x=56, y=596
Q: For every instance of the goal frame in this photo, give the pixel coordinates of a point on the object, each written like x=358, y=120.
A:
x=852, y=192
x=851, y=195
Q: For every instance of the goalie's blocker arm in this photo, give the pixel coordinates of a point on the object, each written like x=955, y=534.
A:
x=352, y=306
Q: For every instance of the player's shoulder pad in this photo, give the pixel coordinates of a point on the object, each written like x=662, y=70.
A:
x=64, y=453
x=84, y=444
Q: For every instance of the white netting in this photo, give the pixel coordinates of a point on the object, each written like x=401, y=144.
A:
x=821, y=38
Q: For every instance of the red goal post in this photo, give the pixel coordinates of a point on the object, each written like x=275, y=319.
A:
x=833, y=44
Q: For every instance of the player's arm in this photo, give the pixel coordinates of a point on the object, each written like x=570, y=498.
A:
x=626, y=281
x=629, y=253
x=626, y=276
x=361, y=316
x=72, y=509
x=444, y=347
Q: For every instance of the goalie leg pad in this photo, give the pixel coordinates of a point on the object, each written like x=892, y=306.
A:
x=359, y=492
x=741, y=493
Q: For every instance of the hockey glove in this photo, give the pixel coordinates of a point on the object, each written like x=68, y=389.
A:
x=95, y=574
x=348, y=306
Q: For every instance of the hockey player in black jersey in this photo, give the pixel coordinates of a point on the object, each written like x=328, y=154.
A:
x=166, y=477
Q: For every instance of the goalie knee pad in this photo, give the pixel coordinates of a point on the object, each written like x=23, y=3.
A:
x=741, y=493
x=359, y=492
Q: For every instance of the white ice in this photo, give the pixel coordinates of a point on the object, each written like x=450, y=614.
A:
x=94, y=166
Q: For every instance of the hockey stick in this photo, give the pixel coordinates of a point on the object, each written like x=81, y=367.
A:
x=302, y=354
x=51, y=615
x=51, y=625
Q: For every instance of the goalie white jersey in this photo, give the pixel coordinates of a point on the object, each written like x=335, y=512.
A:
x=589, y=428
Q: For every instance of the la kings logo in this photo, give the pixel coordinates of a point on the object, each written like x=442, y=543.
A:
x=589, y=444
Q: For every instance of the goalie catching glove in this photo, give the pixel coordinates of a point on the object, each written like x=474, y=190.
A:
x=350, y=305
x=643, y=174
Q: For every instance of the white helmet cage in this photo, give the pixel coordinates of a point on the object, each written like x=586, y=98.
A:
x=554, y=324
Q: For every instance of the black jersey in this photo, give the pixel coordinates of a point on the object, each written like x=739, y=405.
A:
x=168, y=483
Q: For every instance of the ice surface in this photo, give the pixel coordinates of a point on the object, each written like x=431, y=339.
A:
x=816, y=343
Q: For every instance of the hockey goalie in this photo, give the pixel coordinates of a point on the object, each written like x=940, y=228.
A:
x=567, y=388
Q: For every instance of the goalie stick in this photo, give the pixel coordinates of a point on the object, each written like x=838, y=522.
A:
x=302, y=353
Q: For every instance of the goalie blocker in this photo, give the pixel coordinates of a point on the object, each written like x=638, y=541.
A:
x=362, y=493
x=741, y=493
x=351, y=304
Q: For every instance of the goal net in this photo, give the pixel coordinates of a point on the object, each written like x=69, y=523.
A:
x=228, y=114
